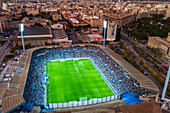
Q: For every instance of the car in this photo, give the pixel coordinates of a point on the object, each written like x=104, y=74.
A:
x=145, y=73
x=16, y=58
x=165, y=68
x=4, y=64
x=6, y=79
x=1, y=68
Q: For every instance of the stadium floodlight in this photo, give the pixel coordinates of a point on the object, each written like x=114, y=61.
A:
x=21, y=29
x=166, y=84
x=104, y=26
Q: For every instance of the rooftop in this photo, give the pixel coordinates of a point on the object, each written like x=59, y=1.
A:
x=35, y=30
x=94, y=35
x=162, y=41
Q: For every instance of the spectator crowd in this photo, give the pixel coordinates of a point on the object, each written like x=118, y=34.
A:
x=115, y=74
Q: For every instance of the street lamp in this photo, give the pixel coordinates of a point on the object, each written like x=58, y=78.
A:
x=21, y=29
x=104, y=26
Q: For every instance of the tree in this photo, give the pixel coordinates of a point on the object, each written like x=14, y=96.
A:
x=142, y=28
x=141, y=62
x=154, y=74
x=135, y=47
x=145, y=66
x=114, y=48
x=124, y=54
x=7, y=57
x=122, y=45
x=106, y=42
x=141, y=70
x=143, y=53
x=134, y=56
x=1, y=43
x=161, y=80
x=27, y=46
x=157, y=51
x=110, y=45
x=13, y=50
x=130, y=60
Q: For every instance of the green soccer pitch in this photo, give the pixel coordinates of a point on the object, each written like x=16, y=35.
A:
x=70, y=80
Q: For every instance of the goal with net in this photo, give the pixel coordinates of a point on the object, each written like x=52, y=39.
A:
x=83, y=98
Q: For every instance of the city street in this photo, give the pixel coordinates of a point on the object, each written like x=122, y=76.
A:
x=144, y=48
x=129, y=46
x=5, y=49
x=162, y=60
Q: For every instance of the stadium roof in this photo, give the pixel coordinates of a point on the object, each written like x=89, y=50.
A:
x=3, y=88
x=14, y=94
x=35, y=30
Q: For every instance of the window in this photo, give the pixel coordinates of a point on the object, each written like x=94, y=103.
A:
x=112, y=32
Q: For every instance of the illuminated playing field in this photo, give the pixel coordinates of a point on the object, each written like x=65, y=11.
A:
x=70, y=80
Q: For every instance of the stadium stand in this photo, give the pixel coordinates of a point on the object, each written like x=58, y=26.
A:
x=35, y=85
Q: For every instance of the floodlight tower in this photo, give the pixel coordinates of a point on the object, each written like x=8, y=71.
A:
x=166, y=84
x=104, y=26
x=21, y=29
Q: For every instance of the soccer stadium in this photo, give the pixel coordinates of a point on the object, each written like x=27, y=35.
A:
x=55, y=77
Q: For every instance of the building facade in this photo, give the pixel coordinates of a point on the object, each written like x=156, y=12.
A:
x=96, y=22
x=167, y=13
x=163, y=45
x=168, y=38
x=113, y=31
x=33, y=11
x=122, y=20
x=57, y=17
x=95, y=37
x=4, y=26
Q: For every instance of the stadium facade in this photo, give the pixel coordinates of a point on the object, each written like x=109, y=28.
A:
x=28, y=87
